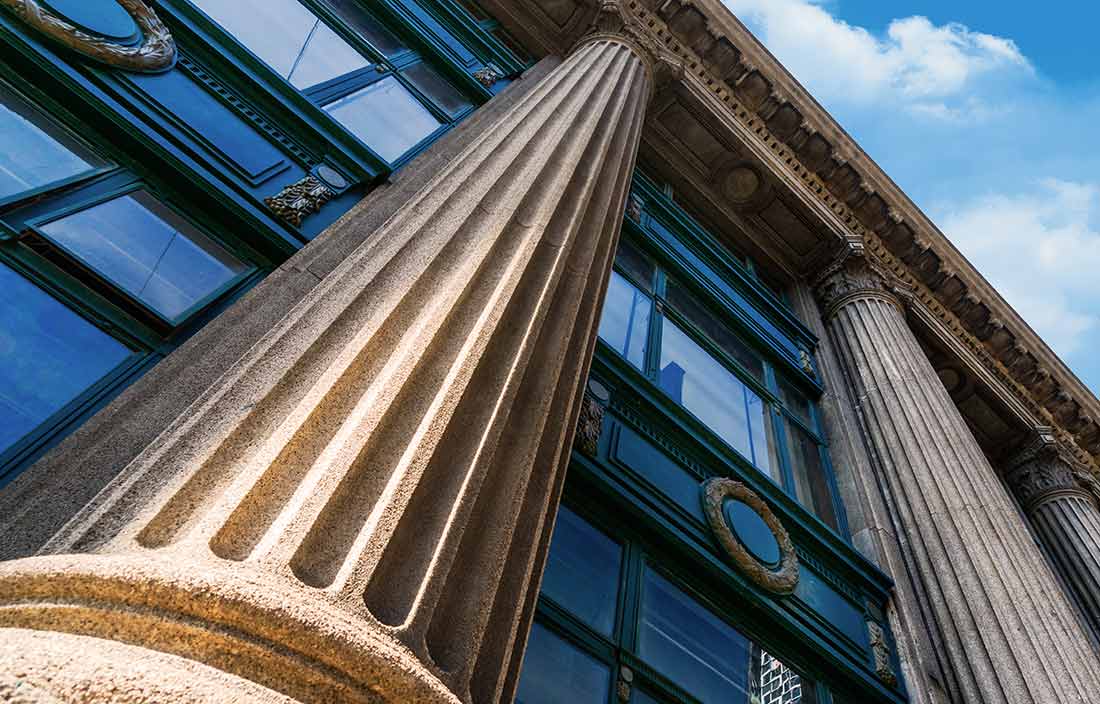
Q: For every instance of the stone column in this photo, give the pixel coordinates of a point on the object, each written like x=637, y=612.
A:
x=359, y=509
x=1002, y=628
x=1059, y=498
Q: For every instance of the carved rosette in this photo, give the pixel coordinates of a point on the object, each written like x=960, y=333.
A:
x=1043, y=468
x=155, y=52
x=880, y=649
x=854, y=275
x=778, y=580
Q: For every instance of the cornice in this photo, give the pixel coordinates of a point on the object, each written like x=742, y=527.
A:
x=721, y=54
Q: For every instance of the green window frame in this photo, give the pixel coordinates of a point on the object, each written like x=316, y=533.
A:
x=63, y=270
x=796, y=457
x=422, y=68
x=621, y=652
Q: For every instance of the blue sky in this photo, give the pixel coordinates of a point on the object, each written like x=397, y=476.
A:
x=988, y=115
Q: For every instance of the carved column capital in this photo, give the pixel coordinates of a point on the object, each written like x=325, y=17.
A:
x=614, y=21
x=1043, y=467
x=855, y=274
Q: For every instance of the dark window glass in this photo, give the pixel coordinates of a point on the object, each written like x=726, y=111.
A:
x=288, y=37
x=148, y=251
x=698, y=315
x=49, y=355
x=34, y=152
x=625, y=321
x=431, y=84
x=641, y=697
x=796, y=402
x=555, y=672
x=582, y=573
x=700, y=652
x=368, y=27
x=635, y=265
x=701, y=384
x=810, y=479
x=386, y=117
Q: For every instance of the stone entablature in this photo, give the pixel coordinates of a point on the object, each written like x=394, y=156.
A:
x=765, y=104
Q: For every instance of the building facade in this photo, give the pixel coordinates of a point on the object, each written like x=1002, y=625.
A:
x=547, y=351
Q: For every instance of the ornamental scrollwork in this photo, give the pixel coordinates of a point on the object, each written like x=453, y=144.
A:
x=884, y=668
x=1042, y=467
x=854, y=274
x=778, y=580
x=155, y=52
x=589, y=425
x=487, y=76
x=300, y=199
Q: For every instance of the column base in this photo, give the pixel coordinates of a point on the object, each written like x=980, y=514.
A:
x=141, y=627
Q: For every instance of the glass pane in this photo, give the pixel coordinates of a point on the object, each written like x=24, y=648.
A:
x=625, y=320
x=48, y=356
x=709, y=324
x=368, y=27
x=148, y=251
x=288, y=37
x=431, y=84
x=772, y=682
x=701, y=384
x=700, y=652
x=635, y=265
x=582, y=572
x=555, y=672
x=34, y=152
x=641, y=697
x=385, y=116
x=796, y=402
x=810, y=479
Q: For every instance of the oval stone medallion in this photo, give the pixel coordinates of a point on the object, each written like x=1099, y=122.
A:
x=103, y=17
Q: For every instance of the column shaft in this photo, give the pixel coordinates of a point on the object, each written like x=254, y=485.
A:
x=355, y=510
x=1004, y=631
x=1054, y=491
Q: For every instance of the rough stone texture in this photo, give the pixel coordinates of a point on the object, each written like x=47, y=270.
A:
x=1003, y=631
x=1057, y=497
x=357, y=509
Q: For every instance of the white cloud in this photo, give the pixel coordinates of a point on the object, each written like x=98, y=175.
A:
x=931, y=70
x=1041, y=250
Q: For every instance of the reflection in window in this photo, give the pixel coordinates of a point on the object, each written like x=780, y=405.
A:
x=428, y=81
x=688, y=306
x=369, y=28
x=582, y=572
x=698, y=382
x=34, y=152
x=625, y=321
x=555, y=672
x=49, y=355
x=700, y=652
x=148, y=251
x=288, y=37
x=810, y=479
x=385, y=116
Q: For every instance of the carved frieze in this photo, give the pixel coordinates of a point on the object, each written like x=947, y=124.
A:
x=154, y=51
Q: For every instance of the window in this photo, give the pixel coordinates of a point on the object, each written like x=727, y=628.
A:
x=99, y=273
x=702, y=363
x=348, y=63
x=677, y=647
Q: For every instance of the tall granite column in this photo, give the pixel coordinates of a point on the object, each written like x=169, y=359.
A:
x=1059, y=499
x=358, y=510
x=1003, y=630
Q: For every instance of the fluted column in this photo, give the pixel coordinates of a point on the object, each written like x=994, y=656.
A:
x=358, y=509
x=1002, y=628
x=1059, y=497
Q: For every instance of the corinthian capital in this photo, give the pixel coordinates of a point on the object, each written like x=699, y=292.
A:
x=852, y=275
x=1043, y=466
x=615, y=21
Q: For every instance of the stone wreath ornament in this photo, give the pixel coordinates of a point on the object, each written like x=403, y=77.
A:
x=780, y=579
x=155, y=52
